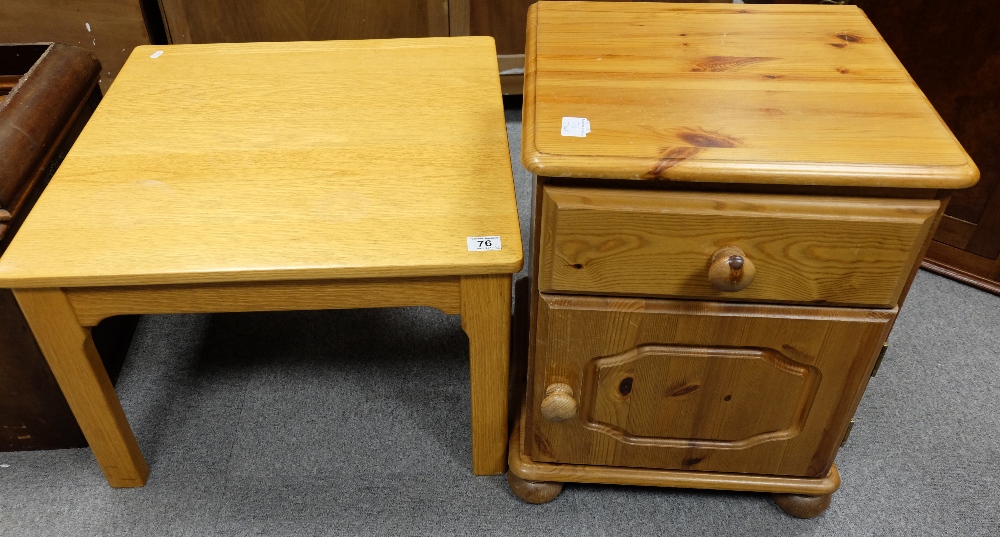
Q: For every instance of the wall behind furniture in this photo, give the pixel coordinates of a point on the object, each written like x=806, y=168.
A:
x=112, y=28
x=208, y=21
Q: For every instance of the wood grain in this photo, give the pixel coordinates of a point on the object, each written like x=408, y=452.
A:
x=56, y=91
x=712, y=387
x=459, y=17
x=525, y=468
x=364, y=171
x=954, y=232
x=813, y=249
x=801, y=506
x=647, y=395
x=943, y=196
x=237, y=21
x=729, y=93
x=33, y=413
x=536, y=492
x=559, y=403
x=505, y=21
x=92, y=304
x=970, y=269
x=486, y=319
x=954, y=59
x=115, y=28
x=802, y=105
x=59, y=81
x=74, y=361
x=484, y=303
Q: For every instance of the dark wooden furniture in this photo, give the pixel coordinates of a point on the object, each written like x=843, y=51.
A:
x=952, y=51
x=210, y=21
x=504, y=20
x=110, y=29
x=720, y=256
x=47, y=92
x=237, y=21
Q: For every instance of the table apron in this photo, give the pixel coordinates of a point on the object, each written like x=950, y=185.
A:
x=93, y=304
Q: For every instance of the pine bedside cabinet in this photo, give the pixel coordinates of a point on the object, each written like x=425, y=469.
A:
x=731, y=203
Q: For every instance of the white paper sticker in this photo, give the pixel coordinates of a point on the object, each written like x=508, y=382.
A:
x=156, y=54
x=482, y=244
x=575, y=126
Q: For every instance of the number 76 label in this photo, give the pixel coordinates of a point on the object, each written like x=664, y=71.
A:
x=482, y=244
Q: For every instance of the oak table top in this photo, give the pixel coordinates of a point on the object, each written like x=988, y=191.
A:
x=279, y=161
x=783, y=94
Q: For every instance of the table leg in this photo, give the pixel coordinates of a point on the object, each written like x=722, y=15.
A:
x=78, y=369
x=486, y=320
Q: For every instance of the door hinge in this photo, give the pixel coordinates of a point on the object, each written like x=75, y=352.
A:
x=878, y=361
x=847, y=433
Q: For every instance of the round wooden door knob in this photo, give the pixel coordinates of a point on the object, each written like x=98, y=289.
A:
x=559, y=404
x=731, y=270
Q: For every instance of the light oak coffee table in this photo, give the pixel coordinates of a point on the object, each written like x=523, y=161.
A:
x=278, y=176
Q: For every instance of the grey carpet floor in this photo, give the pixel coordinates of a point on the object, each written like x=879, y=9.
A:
x=357, y=423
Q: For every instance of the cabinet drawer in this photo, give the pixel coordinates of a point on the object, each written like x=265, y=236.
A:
x=811, y=250
x=689, y=385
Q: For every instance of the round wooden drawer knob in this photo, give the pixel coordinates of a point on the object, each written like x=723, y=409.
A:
x=559, y=404
x=731, y=270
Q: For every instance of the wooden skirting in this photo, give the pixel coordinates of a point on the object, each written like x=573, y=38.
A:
x=967, y=278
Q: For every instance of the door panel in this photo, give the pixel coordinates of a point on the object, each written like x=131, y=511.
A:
x=705, y=386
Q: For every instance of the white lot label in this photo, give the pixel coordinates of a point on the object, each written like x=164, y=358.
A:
x=575, y=126
x=156, y=54
x=481, y=244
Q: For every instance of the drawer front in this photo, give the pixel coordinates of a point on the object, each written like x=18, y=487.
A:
x=705, y=386
x=761, y=248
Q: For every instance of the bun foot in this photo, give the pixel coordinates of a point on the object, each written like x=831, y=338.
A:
x=802, y=506
x=533, y=491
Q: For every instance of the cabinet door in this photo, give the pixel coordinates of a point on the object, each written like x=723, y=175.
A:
x=214, y=21
x=691, y=385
